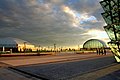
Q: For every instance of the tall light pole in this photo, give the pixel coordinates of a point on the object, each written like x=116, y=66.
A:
x=3, y=49
x=54, y=47
x=78, y=47
x=48, y=48
x=39, y=48
x=25, y=46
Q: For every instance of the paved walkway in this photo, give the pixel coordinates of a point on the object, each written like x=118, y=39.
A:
x=51, y=59
x=100, y=73
x=6, y=74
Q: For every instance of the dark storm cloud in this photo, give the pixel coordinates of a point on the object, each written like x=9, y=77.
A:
x=84, y=5
x=45, y=22
x=91, y=7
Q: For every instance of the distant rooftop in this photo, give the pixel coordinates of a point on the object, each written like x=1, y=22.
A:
x=94, y=43
x=11, y=42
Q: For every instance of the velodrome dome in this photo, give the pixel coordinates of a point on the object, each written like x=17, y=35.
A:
x=94, y=43
x=14, y=43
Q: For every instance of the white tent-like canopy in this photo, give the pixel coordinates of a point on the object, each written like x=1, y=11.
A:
x=15, y=43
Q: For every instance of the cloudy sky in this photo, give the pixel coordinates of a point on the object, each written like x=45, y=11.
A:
x=45, y=22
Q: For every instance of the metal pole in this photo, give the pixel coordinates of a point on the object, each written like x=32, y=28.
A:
x=3, y=49
x=54, y=47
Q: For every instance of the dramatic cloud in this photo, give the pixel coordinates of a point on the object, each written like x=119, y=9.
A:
x=45, y=22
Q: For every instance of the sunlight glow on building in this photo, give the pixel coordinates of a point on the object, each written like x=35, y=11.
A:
x=15, y=45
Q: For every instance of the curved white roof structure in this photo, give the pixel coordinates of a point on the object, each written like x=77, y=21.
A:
x=94, y=43
x=12, y=42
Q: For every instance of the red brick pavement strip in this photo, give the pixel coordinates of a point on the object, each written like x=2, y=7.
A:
x=23, y=54
x=52, y=59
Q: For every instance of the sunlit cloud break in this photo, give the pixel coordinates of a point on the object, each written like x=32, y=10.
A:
x=78, y=18
x=46, y=22
x=98, y=34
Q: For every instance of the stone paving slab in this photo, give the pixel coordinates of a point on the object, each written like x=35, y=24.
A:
x=112, y=76
x=6, y=74
x=67, y=70
x=96, y=75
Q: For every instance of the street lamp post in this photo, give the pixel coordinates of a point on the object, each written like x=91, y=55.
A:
x=39, y=48
x=25, y=46
x=3, y=49
x=54, y=47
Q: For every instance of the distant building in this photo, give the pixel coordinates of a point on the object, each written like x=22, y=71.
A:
x=15, y=45
x=93, y=44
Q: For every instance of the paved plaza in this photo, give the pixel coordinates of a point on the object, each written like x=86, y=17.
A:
x=59, y=67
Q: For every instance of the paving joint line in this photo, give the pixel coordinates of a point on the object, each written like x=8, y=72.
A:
x=87, y=72
x=67, y=60
x=28, y=74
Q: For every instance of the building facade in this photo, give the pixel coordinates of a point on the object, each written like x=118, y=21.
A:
x=15, y=45
x=94, y=44
x=111, y=16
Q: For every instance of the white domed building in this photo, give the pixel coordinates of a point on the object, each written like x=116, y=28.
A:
x=94, y=44
x=15, y=44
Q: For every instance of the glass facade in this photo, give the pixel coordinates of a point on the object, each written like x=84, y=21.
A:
x=94, y=43
x=112, y=18
x=110, y=33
